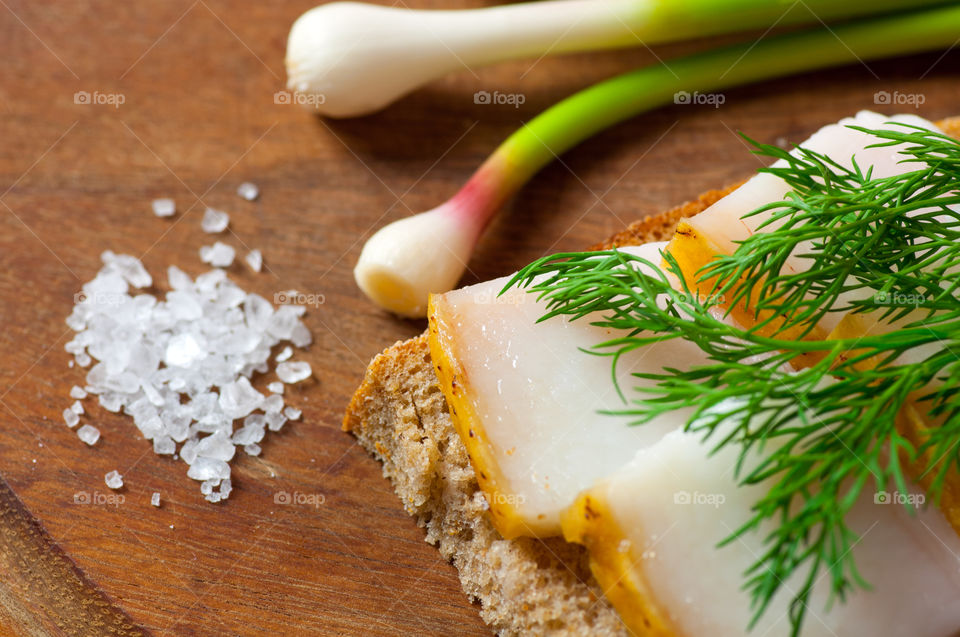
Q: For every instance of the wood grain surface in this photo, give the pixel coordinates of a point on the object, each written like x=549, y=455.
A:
x=198, y=116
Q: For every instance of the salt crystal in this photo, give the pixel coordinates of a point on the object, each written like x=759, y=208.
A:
x=214, y=221
x=208, y=282
x=164, y=446
x=225, y=488
x=292, y=413
x=189, y=451
x=217, y=447
x=128, y=267
x=255, y=420
x=300, y=335
x=77, y=392
x=239, y=398
x=114, y=480
x=257, y=311
x=208, y=468
x=151, y=393
x=70, y=417
x=206, y=488
x=283, y=321
x=96, y=377
x=248, y=191
x=184, y=305
x=275, y=420
x=110, y=401
x=293, y=372
x=124, y=383
x=219, y=255
x=176, y=421
x=248, y=435
x=284, y=355
x=255, y=260
x=106, y=288
x=89, y=434
x=150, y=426
x=77, y=408
x=276, y=387
x=230, y=295
x=183, y=351
x=178, y=279
x=252, y=449
x=163, y=207
x=83, y=360
x=273, y=403
x=213, y=497
x=155, y=499
x=297, y=310
x=211, y=423
x=74, y=347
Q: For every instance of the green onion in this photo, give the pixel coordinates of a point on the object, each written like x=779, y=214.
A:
x=346, y=59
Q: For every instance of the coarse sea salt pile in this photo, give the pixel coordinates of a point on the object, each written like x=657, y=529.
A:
x=180, y=366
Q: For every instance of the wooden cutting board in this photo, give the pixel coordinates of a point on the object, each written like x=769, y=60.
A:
x=197, y=80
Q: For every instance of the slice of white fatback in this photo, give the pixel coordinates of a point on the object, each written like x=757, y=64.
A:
x=672, y=504
x=534, y=429
x=722, y=225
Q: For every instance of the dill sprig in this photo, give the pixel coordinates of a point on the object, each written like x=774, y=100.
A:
x=818, y=419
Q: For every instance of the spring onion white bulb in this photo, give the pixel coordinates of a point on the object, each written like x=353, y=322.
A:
x=362, y=57
x=407, y=260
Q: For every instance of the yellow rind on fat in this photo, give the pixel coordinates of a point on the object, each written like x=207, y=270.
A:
x=692, y=252
x=590, y=522
x=455, y=386
x=855, y=326
x=912, y=424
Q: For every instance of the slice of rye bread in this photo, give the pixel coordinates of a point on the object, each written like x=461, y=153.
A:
x=525, y=586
